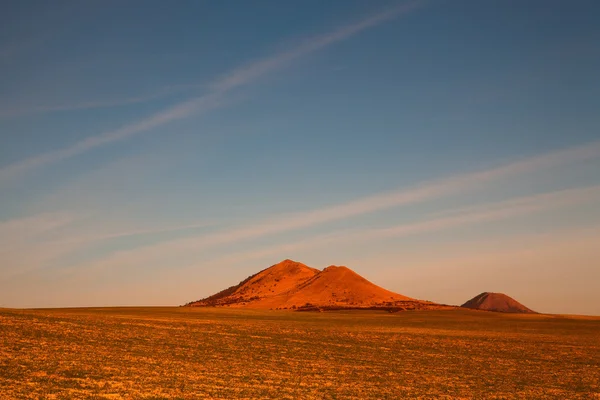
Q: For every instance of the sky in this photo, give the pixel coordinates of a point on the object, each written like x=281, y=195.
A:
x=153, y=153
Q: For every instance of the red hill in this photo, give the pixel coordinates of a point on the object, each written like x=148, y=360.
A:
x=292, y=285
x=277, y=279
x=498, y=302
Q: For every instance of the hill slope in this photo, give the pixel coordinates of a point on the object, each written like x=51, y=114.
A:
x=498, y=302
x=292, y=285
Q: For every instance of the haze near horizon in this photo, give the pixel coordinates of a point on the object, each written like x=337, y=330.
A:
x=151, y=154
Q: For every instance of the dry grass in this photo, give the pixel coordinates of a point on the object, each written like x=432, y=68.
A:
x=189, y=353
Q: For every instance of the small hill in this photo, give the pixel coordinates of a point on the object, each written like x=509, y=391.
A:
x=498, y=302
x=293, y=285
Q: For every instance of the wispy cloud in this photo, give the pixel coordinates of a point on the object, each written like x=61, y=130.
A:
x=28, y=228
x=132, y=232
x=164, y=252
x=181, y=110
x=22, y=243
x=20, y=111
x=35, y=242
x=235, y=79
x=191, y=246
x=422, y=193
x=485, y=213
x=251, y=72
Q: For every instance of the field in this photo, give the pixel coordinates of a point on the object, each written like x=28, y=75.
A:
x=189, y=353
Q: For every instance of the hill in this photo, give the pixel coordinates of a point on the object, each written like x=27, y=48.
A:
x=498, y=302
x=277, y=279
x=293, y=285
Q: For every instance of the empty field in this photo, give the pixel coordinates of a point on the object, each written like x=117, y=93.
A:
x=189, y=353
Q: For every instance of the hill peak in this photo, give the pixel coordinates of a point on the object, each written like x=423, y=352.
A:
x=290, y=265
x=287, y=261
x=499, y=302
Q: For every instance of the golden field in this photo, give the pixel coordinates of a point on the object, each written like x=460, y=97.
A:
x=216, y=353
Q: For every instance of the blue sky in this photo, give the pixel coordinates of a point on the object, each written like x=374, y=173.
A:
x=153, y=153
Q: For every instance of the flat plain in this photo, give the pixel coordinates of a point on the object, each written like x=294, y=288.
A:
x=220, y=353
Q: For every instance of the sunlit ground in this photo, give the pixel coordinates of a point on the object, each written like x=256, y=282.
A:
x=167, y=353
